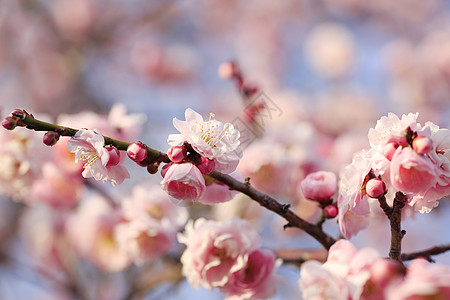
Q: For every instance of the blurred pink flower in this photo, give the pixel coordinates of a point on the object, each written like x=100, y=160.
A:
x=56, y=189
x=211, y=139
x=319, y=186
x=257, y=280
x=342, y=276
x=148, y=202
x=216, y=250
x=184, y=182
x=411, y=172
x=144, y=240
x=423, y=281
x=88, y=146
x=91, y=230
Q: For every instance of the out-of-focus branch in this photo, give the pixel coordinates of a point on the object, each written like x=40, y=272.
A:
x=299, y=256
x=427, y=253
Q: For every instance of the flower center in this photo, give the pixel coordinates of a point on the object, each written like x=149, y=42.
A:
x=211, y=131
x=89, y=158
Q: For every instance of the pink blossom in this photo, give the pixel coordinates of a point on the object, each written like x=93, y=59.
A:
x=88, y=146
x=148, y=202
x=352, y=201
x=117, y=124
x=317, y=282
x=143, y=239
x=184, y=182
x=391, y=128
x=319, y=186
x=411, y=172
x=423, y=281
x=342, y=276
x=216, y=250
x=425, y=201
x=91, y=231
x=257, y=280
x=211, y=139
x=267, y=166
x=56, y=189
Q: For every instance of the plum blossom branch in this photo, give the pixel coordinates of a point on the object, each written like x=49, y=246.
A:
x=30, y=122
x=427, y=253
x=268, y=202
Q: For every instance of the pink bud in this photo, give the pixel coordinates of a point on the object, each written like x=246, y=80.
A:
x=422, y=144
x=50, y=138
x=10, y=123
x=319, y=186
x=177, y=154
x=114, y=156
x=165, y=168
x=330, y=211
x=375, y=188
x=137, y=151
x=227, y=70
x=206, y=165
x=389, y=150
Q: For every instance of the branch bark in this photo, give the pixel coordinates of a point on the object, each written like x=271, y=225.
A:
x=427, y=253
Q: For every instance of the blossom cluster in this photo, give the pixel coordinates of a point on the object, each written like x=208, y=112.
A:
x=200, y=147
x=406, y=157
x=349, y=273
x=227, y=255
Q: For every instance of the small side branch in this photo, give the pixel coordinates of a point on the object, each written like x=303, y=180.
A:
x=427, y=253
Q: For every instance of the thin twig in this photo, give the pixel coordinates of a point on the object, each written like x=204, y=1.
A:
x=427, y=253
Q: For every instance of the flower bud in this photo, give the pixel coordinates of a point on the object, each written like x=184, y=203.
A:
x=137, y=151
x=177, y=154
x=165, y=168
x=9, y=123
x=114, y=156
x=206, y=165
x=319, y=186
x=50, y=138
x=227, y=70
x=375, y=188
x=389, y=150
x=330, y=211
x=153, y=167
x=422, y=145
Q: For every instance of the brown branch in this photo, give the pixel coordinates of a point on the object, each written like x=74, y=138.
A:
x=394, y=215
x=275, y=206
x=299, y=256
x=427, y=253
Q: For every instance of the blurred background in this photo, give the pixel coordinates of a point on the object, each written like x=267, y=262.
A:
x=331, y=68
